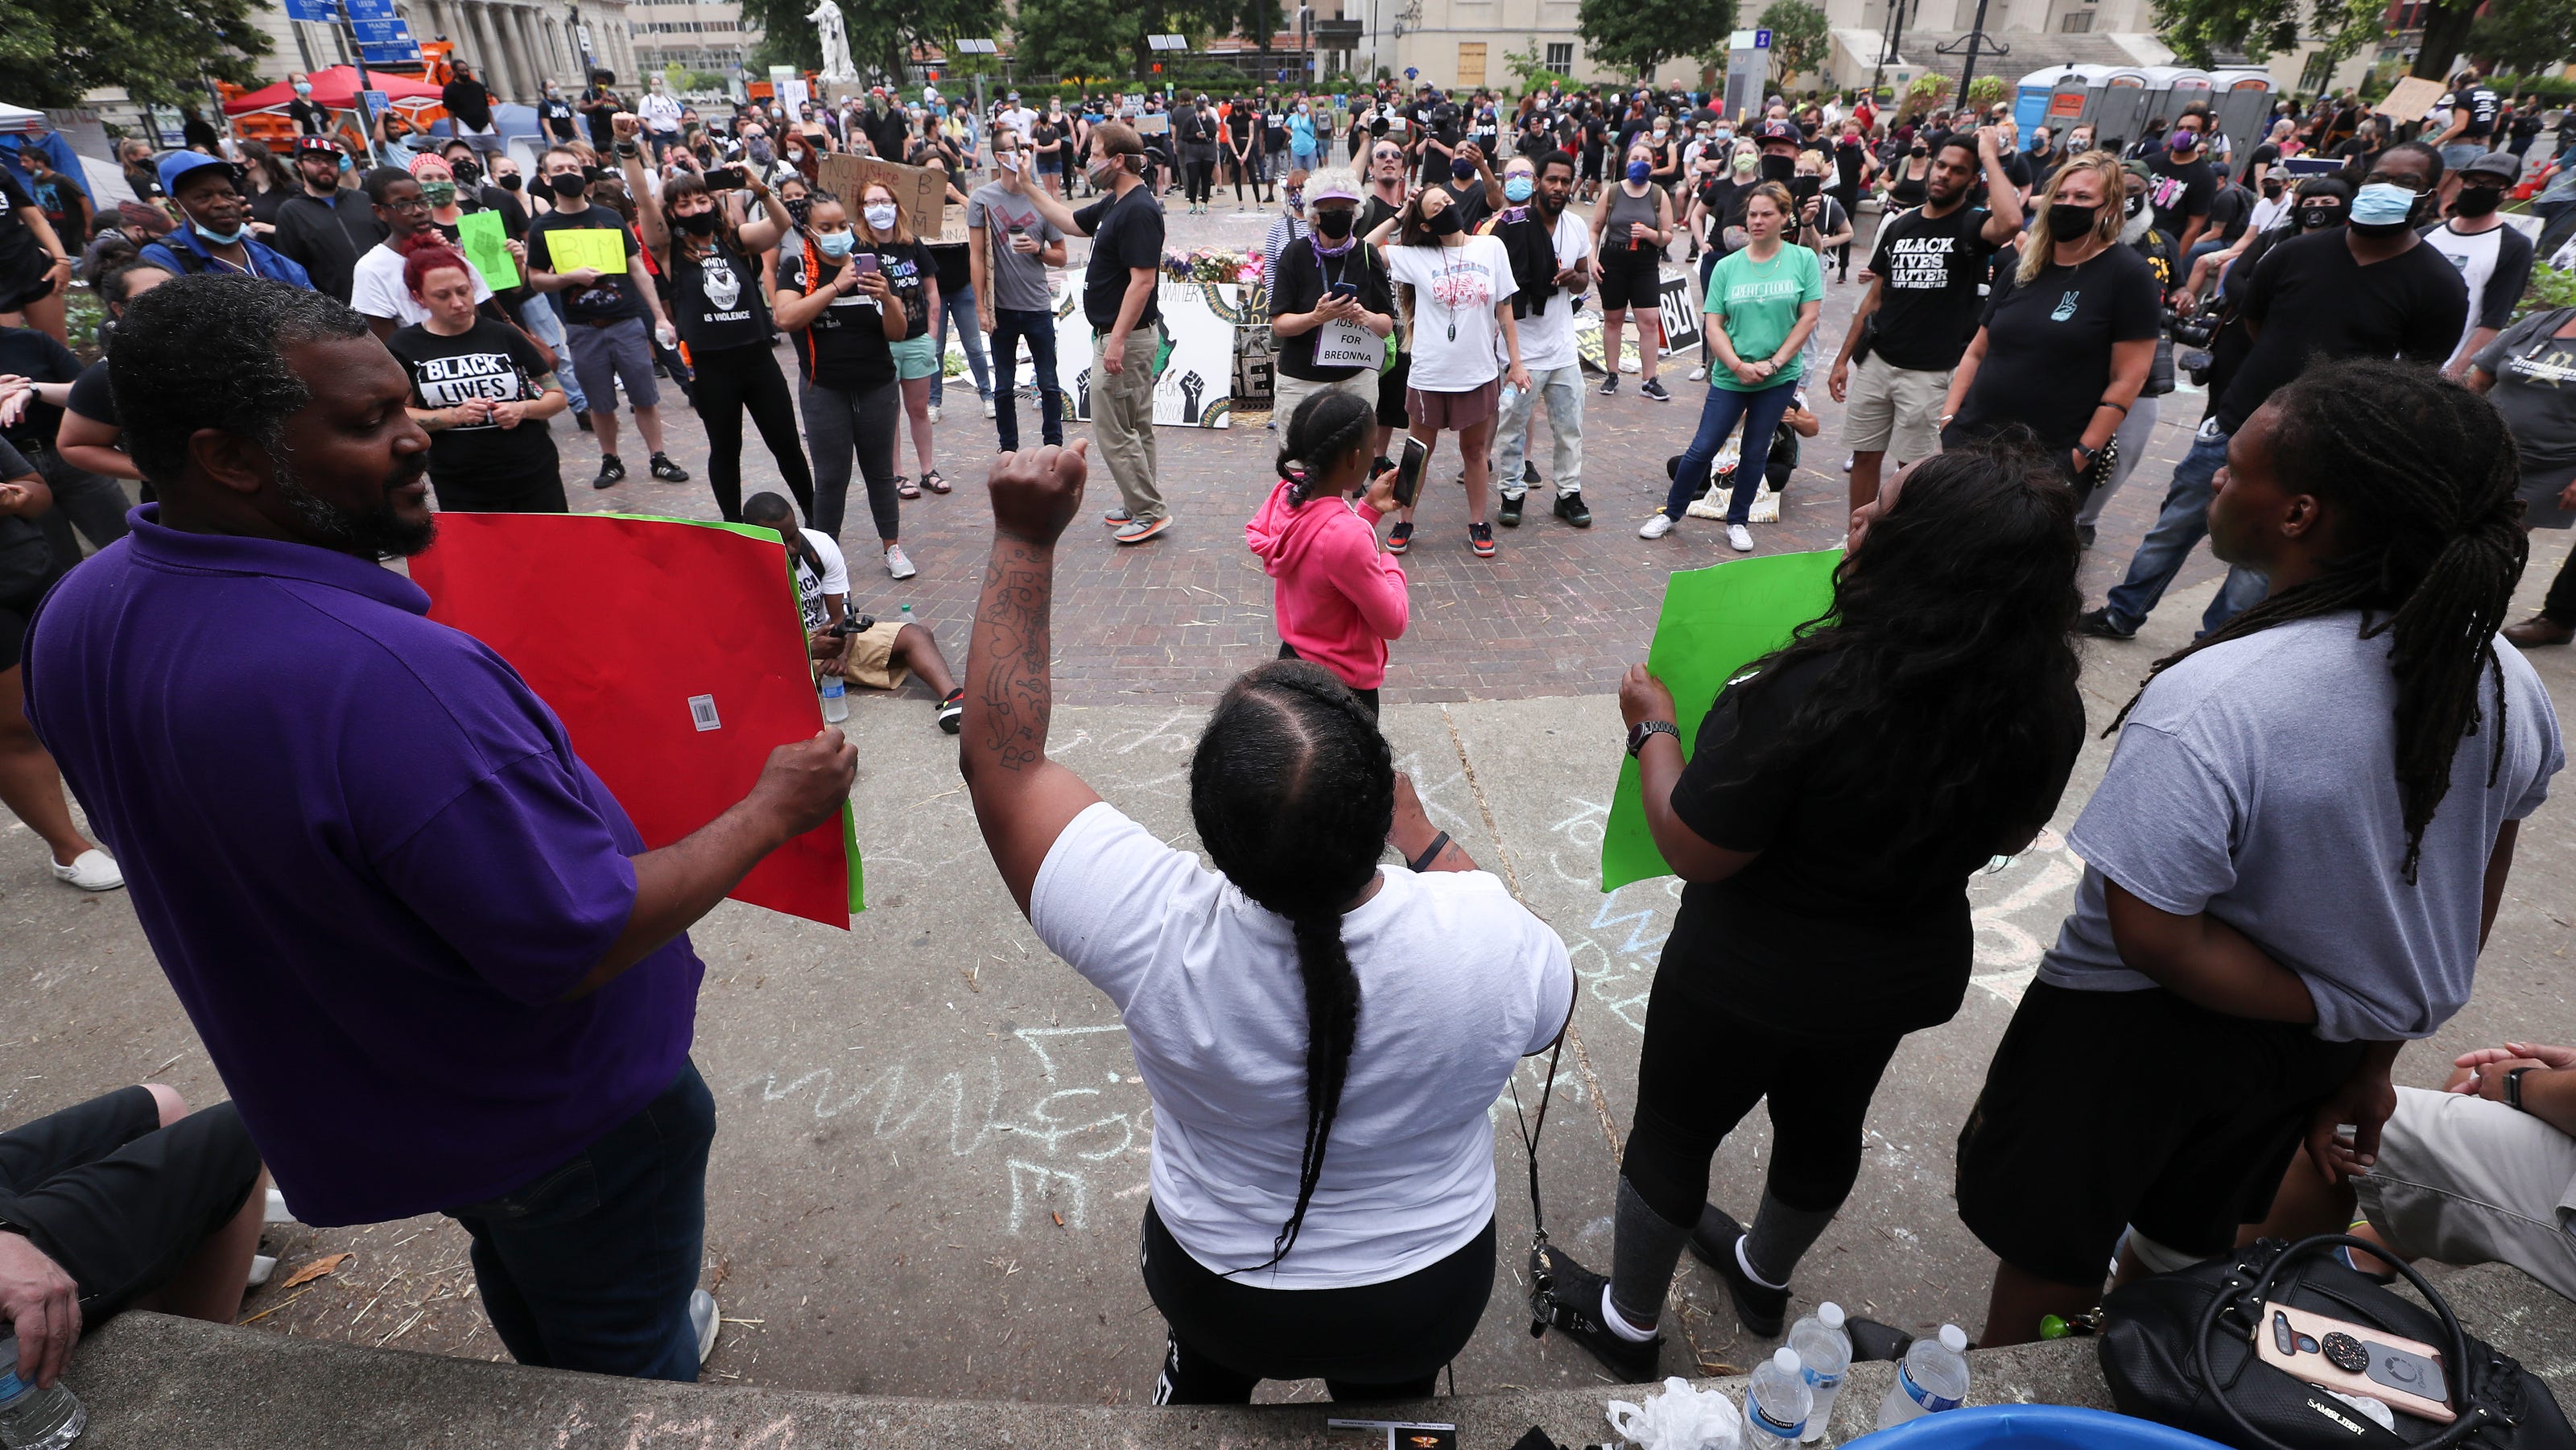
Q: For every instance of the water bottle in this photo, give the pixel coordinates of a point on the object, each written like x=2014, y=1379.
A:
x=905, y=617
x=1777, y=1405
x=30, y=1418
x=1825, y=1352
x=836, y=700
x=1934, y=1377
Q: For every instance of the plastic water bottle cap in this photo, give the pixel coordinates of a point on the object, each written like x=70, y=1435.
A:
x=1954, y=1339
x=1831, y=1313
x=1785, y=1360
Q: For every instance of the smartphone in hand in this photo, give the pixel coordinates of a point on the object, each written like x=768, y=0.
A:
x=725, y=178
x=1408, y=472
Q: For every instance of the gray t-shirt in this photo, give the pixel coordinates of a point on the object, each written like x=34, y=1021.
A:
x=2535, y=388
x=2256, y=781
x=1018, y=279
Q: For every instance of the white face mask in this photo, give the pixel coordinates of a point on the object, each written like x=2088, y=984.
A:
x=880, y=216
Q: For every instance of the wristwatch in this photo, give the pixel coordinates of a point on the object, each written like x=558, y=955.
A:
x=2513, y=1088
x=1638, y=732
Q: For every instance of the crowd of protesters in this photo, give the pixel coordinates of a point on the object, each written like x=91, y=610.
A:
x=2291, y=862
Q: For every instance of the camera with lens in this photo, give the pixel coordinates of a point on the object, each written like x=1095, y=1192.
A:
x=2193, y=329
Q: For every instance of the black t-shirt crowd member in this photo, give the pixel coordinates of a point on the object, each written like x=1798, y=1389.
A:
x=844, y=348
x=1301, y=279
x=483, y=467
x=1126, y=232
x=2179, y=190
x=30, y=353
x=2311, y=299
x=716, y=301
x=22, y=262
x=1929, y=269
x=2048, y=346
x=612, y=296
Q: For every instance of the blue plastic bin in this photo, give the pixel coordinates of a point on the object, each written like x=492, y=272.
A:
x=2034, y=1427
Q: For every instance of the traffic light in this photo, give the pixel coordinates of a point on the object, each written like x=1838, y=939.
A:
x=1158, y=67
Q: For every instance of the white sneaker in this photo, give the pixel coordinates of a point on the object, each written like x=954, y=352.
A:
x=276, y=1210
x=92, y=870
x=1848, y=460
x=1656, y=527
x=263, y=1267
x=934, y=413
x=1739, y=538
x=1699, y=374
x=901, y=567
x=989, y=410
x=706, y=1320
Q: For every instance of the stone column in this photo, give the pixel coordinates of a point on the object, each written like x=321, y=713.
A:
x=488, y=55
x=524, y=21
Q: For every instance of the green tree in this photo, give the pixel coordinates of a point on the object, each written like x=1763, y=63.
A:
x=881, y=36
x=2199, y=29
x=52, y=52
x=1532, y=72
x=1076, y=37
x=1635, y=35
x=1799, y=38
x=2524, y=35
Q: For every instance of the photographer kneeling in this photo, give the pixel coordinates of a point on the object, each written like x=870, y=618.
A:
x=1321, y=1036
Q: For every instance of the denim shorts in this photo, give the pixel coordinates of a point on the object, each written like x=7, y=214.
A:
x=915, y=357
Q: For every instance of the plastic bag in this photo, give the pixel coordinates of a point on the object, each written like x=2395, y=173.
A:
x=1681, y=1418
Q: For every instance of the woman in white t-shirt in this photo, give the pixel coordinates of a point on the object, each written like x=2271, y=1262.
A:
x=1460, y=319
x=1322, y=1036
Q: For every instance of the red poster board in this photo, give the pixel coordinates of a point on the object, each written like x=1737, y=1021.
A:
x=674, y=653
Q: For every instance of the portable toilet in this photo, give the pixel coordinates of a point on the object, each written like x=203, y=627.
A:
x=2054, y=97
x=2117, y=106
x=2243, y=107
x=2173, y=87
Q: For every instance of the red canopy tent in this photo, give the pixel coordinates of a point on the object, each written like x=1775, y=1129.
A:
x=336, y=88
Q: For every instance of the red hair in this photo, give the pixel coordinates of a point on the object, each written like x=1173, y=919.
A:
x=421, y=261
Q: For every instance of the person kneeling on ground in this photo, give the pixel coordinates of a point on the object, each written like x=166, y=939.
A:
x=1336, y=594
x=877, y=653
x=127, y=1201
x=1322, y=1036
x=1940, y=704
x=2477, y=1173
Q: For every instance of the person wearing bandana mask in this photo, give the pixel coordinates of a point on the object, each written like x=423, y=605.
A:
x=2369, y=288
x=215, y=234
x=2494, y=259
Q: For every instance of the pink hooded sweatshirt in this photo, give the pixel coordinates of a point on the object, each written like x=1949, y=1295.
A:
x=1337, y=599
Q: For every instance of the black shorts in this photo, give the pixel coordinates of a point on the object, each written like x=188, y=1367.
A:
x=1630, y=277
x=17, y=610
x=1390, y=393
x=2105, y=1109
x=24, y=287
x=119, y=1201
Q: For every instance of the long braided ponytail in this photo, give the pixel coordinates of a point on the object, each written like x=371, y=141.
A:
x=2422, y=475
x=1292, y=790
x=1325, y=427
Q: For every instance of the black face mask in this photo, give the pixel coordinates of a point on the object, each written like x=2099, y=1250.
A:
x=1444, y=223
x=697, y=223
x=1779, y=168
x=511, y=182
x=2317, y=218
x=1920, y=151
x=1335, y=222
x=2477, y=201
x=467, y=173
x=2134, y=205
x=798, y=208
x=566, y=184
x=2071, y=223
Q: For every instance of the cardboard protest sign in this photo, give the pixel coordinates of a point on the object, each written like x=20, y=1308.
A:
x=1716, y=621
x=920, y=191
x=674, y=654
x=2410, y=99
x=487, y=246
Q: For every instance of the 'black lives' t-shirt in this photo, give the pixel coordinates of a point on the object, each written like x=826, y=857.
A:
x=1822, y=914
x=2048, y=346
x=1929, y=270
x=482, y=466
x=1126, y=232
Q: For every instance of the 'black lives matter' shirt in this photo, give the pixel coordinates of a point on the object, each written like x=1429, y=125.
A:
x=480, y=465
x=1929, y=269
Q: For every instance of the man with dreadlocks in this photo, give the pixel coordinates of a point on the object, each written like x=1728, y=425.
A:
x=1321, y=1036
x=2292, y=860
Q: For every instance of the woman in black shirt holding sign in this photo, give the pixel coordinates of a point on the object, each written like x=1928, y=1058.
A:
x=713, y=263
x=1826, y=825
x=844, y=318
x=483, y=391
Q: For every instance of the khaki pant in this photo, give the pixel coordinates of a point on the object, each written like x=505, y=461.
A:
x=1287, y=392
x=1122, y=420
x=2467, y=1181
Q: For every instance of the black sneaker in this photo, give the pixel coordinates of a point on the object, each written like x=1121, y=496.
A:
x=1399, y=538
x=2084, y=536
x=581, y=420
x=1529, y=470
x=1609, y=387
x=952, y=709
x=1480, y=537
x=1381, y=464
x=2098, y=624
x=1569, y=507
x=612, y=472
x=1759, y=1308
x=1654, y=389
x=1566, y=1297
x=667, y=471
x=1509, y=515
x=1873, y=1342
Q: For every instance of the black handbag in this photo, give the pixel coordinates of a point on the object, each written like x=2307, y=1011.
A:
x=2178, y=1349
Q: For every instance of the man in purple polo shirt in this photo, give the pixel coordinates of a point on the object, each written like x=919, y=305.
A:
x=428, y=952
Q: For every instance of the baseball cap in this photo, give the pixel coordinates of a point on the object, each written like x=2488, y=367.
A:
x=2503, y=164
x=1776, y=131
x=1333, y=183
x=322, y=144
x=180, y=163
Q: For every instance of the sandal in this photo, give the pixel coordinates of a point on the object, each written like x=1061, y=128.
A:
x=904, y=487
x=934, y=482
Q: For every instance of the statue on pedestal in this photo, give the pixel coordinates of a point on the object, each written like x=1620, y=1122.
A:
x=834, y=32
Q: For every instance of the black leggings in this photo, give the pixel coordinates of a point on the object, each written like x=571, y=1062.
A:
x=1703, y=1068
x=730, y=380
x=1371, y=1342
x=1195, y=175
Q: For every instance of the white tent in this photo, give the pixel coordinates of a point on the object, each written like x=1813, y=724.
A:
x=16, y=120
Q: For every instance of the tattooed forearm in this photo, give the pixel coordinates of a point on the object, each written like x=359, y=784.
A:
x=1008, y=697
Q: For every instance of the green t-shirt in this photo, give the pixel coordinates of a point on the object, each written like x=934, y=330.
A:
x=1759, y=302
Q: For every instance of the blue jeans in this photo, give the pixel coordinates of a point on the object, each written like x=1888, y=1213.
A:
x=960, y=304
x=591, y=1264
x=546, y=325
x=1010, y=324
x=2180, y=526
x=1760, y=412
x=2200, y=249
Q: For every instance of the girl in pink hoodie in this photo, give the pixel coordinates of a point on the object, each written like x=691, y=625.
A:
x=1339, y=596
